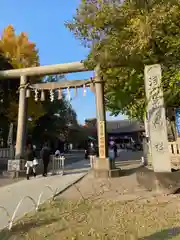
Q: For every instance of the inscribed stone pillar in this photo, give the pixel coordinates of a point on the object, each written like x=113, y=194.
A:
x=157, y=119
x=103, y=166
x=22, y=119
x=101, y=116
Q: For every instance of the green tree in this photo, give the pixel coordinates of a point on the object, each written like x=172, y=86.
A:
x=125, y=36
x=58, y=118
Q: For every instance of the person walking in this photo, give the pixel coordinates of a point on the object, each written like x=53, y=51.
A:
x=115, y=150
x=45, y=155
x=92, y=153
x=86, y=153
x=57, y=153
x=31, y=162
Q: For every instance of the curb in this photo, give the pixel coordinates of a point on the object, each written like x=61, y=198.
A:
x=70, y=185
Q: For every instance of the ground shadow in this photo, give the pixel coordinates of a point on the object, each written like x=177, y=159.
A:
x=128, y=172
x=129, y=155
x=78, y=166
x=76, y=172
x=165, y=234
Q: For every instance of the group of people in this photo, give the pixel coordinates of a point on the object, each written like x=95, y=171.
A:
x=32, y=162
x=91, y=151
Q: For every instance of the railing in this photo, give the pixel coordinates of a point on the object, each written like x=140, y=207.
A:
x=58, y=165
x=35, y=203
x=105, y=186
x=174, y=148
x=6, y=153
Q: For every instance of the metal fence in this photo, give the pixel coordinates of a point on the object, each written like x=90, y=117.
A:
x=36, y=204
x=7, y=153
x=58, y=165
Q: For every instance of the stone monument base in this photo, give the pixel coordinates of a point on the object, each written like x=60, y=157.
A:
x=14, y=174
x=161, y=182
x=16, y=168
x=105, y=168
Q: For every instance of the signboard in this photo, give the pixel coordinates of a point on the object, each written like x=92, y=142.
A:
x=157, y=119
x=102, y=144
x=178, y=121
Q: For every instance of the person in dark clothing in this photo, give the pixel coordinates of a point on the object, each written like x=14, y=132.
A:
x=86, y=153
x=29, y=157
x=115, y=150
x=92, y=153
x=45, y=155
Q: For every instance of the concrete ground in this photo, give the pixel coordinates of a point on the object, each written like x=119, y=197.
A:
x=6, y=181
x=12, y=194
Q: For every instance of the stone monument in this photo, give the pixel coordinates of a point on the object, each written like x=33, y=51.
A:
x=157, y=119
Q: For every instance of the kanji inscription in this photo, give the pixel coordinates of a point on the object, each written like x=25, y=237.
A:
x=159, y=146
x=157, y=119
x=102, y=147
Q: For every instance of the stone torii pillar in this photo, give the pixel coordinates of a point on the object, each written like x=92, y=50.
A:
x=103, y=166
x=22, y=119
x=15, y=166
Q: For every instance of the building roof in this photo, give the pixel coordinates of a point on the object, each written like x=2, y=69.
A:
x=124, y=126
x=119, y=126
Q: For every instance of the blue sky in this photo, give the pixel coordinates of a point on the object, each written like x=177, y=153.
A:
x=43, y=21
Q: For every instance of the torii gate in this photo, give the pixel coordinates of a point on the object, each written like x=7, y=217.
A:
x=102, y=166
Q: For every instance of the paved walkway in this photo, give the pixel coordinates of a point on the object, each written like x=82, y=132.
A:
x=10, y=195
